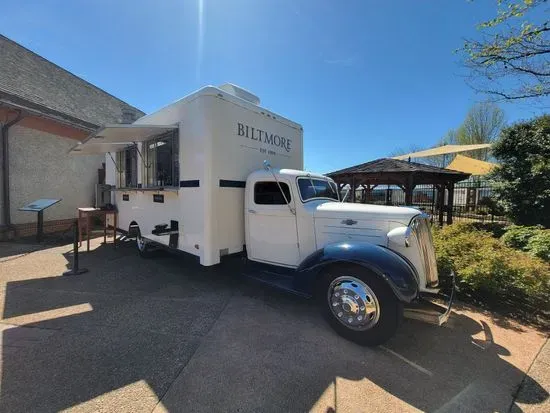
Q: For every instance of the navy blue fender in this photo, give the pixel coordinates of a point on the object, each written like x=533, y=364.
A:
x=384, y=263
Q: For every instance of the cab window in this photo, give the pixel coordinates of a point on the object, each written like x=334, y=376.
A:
x=268, y=193
x=311, y=188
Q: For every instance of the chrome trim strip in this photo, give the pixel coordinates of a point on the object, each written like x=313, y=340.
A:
x=445, y=316
x=423, y=236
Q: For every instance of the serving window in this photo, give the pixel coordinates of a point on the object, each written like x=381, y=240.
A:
x=161, y=159
x=127, y=161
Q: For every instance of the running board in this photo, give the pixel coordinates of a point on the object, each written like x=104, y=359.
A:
x=430, y=312
x=425, y=311
x=279, y=281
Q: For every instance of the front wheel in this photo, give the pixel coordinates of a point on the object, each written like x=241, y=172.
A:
x=358, y=305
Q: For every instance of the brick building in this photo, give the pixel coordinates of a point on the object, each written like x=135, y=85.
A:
x=44, y=111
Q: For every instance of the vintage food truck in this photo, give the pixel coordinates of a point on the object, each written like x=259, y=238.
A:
x=214, y=174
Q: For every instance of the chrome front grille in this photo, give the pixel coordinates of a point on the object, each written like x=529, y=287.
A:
x=423, y=235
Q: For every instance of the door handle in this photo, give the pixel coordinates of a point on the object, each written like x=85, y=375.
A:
x=252, y=211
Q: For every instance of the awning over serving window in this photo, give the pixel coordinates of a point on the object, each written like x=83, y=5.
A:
x=98, y=148
x=113, y=138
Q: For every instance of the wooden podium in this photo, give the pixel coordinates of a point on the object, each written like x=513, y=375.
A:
x=87, y=213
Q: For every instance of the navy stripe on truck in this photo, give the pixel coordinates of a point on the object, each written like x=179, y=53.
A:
x=194, y=183
x=225, y=183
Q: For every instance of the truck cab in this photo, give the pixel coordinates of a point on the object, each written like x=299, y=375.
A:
x=364, y=261
x=291, y=214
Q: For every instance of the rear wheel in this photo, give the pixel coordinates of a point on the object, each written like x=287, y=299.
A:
x=358, y=305
x=144, y=248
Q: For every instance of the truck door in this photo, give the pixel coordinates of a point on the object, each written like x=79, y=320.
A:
x=272, y=232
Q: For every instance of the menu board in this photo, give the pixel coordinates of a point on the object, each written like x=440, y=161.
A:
x=39, y=205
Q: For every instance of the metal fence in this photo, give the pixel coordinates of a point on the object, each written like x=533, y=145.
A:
x=473, y=201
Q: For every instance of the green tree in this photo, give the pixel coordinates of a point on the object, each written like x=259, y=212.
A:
x=510, y=60
x=522, y=180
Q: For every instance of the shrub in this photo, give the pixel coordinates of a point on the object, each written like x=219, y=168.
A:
x=496, y=229
x=492, y=205
x=490, y=271
x=517, y=236
x=539, y=245
x=521, y=183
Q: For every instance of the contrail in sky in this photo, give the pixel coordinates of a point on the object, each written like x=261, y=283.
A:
x=200, y=38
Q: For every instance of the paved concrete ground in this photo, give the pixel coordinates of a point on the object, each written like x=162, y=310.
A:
x=168, y=335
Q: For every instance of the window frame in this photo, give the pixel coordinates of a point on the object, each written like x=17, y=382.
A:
x=330, y=182
x=150, y=163
x=121, y=158
x=289, y=194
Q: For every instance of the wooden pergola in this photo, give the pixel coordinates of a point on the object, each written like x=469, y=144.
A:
x=405, y=175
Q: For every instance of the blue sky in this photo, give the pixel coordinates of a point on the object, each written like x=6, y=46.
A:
x=363, y=77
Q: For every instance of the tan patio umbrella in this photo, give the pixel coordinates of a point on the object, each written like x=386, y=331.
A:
x=443, y=150
x=470, y=165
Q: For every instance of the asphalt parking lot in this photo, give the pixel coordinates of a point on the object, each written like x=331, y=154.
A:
x=168, y=335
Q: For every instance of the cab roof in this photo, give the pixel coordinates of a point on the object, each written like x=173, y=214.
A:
x=289, y=173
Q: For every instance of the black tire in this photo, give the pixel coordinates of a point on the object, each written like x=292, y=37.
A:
x=144, y=251
x=390, y=309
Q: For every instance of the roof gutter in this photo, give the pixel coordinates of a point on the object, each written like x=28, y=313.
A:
x=46, y=113
x=6, y=168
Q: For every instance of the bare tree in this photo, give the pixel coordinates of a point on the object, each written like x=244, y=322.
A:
x=404, y=150
x=440, y=161
x=482, y=124
x=512, y=59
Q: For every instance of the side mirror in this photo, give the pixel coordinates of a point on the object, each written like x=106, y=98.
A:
x=267, y=167
x=345, y=195
x=400, y=236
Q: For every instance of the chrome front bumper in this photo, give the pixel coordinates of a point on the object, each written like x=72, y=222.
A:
x=425, y=309
x=445, y=316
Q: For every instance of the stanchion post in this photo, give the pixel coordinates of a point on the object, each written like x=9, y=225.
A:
x=75, y=270
x=40, y=226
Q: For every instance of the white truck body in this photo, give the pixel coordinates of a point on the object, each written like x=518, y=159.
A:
x=225, y=198
x=222, y=138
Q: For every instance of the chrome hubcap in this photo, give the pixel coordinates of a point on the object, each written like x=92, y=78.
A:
x=353, y=303
x=140, y=243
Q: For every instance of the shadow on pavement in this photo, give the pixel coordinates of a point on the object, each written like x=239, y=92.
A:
x=132, y=331
x=22, y=246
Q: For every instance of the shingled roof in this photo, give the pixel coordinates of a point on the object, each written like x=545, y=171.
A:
x=387, y=170
x=393, y=165
x=29, y=80
x=406, y=175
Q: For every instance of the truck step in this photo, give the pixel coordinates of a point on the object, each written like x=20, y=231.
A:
x=273, y=279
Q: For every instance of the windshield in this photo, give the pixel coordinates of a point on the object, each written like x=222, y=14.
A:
x=311, y=188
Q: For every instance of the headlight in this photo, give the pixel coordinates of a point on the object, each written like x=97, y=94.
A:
x=400, y=236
